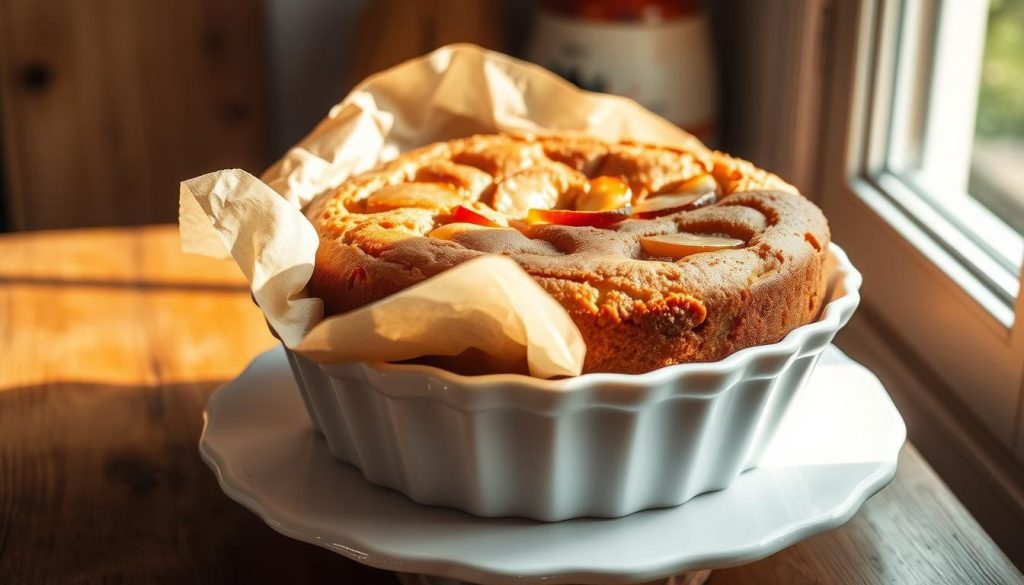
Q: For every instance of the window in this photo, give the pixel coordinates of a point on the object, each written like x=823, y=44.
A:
x=926, y=129
x=924, y=147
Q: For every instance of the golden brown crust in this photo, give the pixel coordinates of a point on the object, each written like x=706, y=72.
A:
x=636, y=312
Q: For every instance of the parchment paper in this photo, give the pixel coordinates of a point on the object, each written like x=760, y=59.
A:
x=489, y=305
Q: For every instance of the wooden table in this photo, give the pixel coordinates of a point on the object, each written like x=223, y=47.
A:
x=110, y=343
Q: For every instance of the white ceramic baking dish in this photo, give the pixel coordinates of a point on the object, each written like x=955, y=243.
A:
x=594, y=445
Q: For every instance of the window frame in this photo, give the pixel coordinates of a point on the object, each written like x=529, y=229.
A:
x=918, y=152
x=937, y=295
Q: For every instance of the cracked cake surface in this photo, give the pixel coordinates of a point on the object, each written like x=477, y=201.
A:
x=583, y=241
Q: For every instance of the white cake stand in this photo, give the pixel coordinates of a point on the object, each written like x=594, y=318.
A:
x=837, y=447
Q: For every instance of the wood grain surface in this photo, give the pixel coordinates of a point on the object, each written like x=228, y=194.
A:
x=106, y=104
x=110, y=343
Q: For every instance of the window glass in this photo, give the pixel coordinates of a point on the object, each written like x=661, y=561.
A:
x=997, y=158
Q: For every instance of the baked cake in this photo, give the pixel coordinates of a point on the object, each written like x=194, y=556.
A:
x=660, y=255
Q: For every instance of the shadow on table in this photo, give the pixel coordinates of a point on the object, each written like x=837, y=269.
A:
x=128, y=283
x=105, y=483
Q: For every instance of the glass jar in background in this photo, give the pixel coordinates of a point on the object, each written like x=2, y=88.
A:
x=657, y=52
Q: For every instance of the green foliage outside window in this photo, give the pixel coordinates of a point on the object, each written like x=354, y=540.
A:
x=1001, y=99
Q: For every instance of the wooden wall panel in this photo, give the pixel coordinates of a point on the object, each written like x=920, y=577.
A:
x=107, y=104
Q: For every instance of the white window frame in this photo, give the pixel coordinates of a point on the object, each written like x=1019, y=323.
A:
x=923, y=134
x=946, y=299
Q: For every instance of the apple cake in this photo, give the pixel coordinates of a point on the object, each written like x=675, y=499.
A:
x=660, y=255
